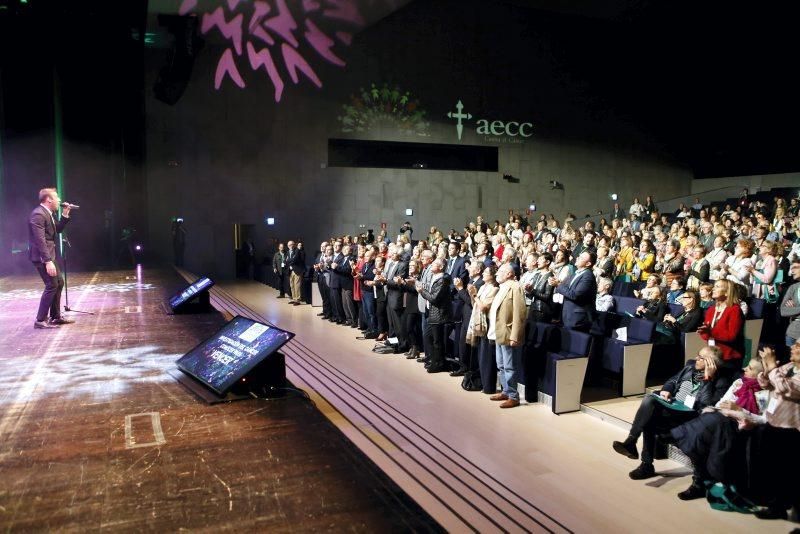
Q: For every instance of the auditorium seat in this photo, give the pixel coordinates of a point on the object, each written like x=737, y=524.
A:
x=631, y=357
x=753, y=326
x=675, y=309
x=565, y=370
x=543, y=337
x=627, y=305
x=692, y=343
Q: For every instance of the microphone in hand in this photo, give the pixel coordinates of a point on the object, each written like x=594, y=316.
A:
x=70, y=206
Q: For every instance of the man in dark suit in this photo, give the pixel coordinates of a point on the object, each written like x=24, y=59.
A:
x=338, y=280
x=42, y=230
x=279, y=268
x=456, y=266
x=579, y=293
x=396, y=273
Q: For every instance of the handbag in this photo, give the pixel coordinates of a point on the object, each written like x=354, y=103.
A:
x=481, y=328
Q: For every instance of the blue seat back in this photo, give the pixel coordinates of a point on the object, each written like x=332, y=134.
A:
x=641, y=330
x=675, y=309
x=627, y=305
x=755, y=308
x=574, y=342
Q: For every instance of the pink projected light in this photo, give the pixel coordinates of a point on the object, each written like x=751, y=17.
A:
x=269, y=36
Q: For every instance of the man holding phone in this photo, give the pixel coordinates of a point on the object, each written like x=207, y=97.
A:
x=42, y=230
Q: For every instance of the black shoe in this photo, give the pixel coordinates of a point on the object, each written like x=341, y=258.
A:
x=43, y=324
x=626, y=449
x=322, y=315
x=695, y=491
x=60, y=320
x=354, y=326
x=423, y=359
x=643, y=471
x=281, y=296
x=296, y=303
x=437, y=368
x=461, y=371
x=371, y=335
x=772, y=512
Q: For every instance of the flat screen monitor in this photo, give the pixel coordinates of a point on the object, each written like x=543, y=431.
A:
x=196, y=288
x=232, y=352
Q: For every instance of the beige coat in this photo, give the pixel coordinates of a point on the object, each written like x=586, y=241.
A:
x=511, y=312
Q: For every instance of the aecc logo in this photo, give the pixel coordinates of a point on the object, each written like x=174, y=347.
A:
x=487, y=127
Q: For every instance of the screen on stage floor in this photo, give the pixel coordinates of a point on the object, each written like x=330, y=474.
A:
x=227, y=356
x=198, y=286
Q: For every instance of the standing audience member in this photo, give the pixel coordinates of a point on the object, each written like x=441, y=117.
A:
x=507, y=328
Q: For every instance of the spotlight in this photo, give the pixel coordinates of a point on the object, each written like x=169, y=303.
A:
x=532, y=207
x=409, y=212
x=270, y=221
x=137, y=248
x=614, y=197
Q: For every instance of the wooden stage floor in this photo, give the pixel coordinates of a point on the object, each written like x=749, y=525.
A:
x=96, y=436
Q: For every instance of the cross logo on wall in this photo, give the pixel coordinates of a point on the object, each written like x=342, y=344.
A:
x=458, y=115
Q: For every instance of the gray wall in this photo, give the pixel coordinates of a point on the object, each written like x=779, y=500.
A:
x=234, y=156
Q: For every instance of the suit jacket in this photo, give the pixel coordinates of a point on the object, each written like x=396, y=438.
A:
x=542, y=294
x=509, y=305
x=439, y=298
x=579, y=292
x=296, y=261
x=394, y=293
x=459, y=269
x=276, y=262
x=42, y=234
x=342, y=275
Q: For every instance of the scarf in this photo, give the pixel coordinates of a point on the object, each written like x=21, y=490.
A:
x=746, y=395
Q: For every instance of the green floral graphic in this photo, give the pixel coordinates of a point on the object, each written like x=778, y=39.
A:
x=384, y=107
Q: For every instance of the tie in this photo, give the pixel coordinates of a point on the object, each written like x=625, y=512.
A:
x=450, y=266
x=577, y=275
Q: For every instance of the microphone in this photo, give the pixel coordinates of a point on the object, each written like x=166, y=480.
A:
x=70, y=206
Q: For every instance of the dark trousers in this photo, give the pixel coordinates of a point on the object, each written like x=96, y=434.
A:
x=426, y=335
x=411, y=325
x=437, y=340
x=325, y=293
x=487, y=362
x=653, y=418
x=51, y=297
x=337, y=308
x=380, y=313
x=396, y=325
x=281, y=276
x=368, y=299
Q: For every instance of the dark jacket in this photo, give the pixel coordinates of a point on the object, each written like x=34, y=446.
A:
x=439, y=298
x=709, y=393
x=654, y=310
x=276, y=262
x=542, y=293
x=296, y=261
x=579, y=297
x=42, y=234
x=394, y=295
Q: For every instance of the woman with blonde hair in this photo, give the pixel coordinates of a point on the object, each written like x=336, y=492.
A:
x=625, y=257
x=644, y=262
x=723, y=325
x=478, y=328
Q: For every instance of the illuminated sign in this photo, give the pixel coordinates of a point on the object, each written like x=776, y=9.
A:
x=490, y=127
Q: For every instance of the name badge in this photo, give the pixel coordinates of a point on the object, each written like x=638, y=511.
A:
x=773, y=405
x=689, y=401
x=711, y=342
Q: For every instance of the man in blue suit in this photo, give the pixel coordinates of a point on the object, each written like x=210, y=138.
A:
x=456, y=266
x=579, y=293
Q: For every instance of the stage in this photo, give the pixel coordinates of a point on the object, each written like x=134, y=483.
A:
x=97, y=435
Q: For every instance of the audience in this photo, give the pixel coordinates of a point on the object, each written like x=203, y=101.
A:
x=468, y=302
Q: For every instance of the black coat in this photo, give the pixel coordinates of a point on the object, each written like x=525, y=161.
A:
x=42, y=234
x=709, y=393
x=439, y=297
x=394, y=295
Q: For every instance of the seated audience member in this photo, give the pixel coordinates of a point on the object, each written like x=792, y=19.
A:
x=653, y=281
x=780, y=436
x=653, y=308
x=604, y=301
x=681, y=399
x=676, y=288
x=698, y=438
x=723, y=325
x=705, y=295
x=671, y=328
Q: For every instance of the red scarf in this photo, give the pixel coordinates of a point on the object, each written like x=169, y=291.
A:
x=746, y=395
